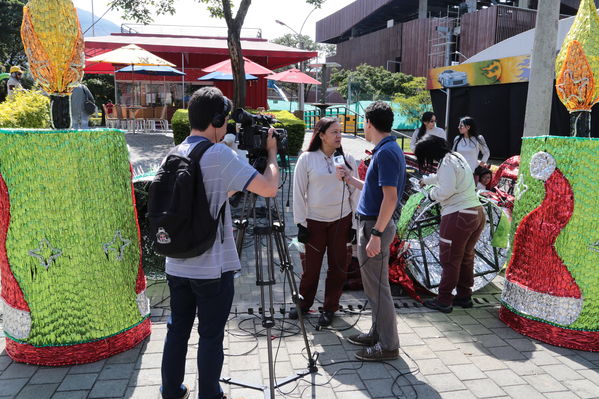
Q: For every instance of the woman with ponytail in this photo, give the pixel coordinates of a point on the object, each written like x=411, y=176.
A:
x=323, y=211
x=427, y=127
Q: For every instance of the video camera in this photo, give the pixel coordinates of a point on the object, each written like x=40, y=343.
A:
x=254, y=133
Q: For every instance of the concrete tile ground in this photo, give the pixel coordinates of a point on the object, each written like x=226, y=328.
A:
x=465, y=354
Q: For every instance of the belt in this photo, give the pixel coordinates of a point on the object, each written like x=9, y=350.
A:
x=364, y=217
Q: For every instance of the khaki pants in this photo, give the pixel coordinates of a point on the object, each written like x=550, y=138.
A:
x=375, y=278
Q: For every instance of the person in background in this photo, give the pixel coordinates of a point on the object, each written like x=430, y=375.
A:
x=323, y=212
x=428, y=127
x=469, y=143
x=80, y=112
x=381, y=191
x=14, y=82
x=484, y=176
x=462, y=221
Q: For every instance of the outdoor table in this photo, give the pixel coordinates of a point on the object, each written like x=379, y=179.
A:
x=73, y=290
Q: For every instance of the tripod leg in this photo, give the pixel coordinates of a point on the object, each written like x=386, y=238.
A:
x=287, y=268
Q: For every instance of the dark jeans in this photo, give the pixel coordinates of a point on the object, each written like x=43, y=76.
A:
x=332, y=238
x=458, y=235
x=211, y=300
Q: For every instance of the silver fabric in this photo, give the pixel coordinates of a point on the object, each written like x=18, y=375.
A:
x=17, y=323
x=143, y=303
x=542, y=165
x=556, y=309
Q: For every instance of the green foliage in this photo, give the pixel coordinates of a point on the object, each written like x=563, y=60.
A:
x=296, y=130
x=11, y=47
x=372, y=83
x=415, y=101
x=101, y=86
x=25, y=109
x=180, y=123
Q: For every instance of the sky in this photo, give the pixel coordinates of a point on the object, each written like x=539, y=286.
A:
x=261, y=14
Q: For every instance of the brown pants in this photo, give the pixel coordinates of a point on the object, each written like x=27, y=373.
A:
x=332, y=237
x=457, y=237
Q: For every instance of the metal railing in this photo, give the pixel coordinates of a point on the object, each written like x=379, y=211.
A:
x=351, y=122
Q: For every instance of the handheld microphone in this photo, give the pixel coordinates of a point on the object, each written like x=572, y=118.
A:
x=338, y=158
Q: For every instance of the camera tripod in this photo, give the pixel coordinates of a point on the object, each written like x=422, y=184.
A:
x=272, y=230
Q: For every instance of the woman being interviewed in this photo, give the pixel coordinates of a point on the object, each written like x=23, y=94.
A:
x=462, y=221
x=427, y=128
x=322, y=210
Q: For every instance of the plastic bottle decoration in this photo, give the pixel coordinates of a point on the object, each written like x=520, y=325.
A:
x=54, y=46
x=551, y=292
x=577, y=69
x=73, y=290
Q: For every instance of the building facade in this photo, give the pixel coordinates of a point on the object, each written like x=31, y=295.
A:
x=413, y=36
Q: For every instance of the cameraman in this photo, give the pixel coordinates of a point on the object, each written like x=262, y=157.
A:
x=204, y=284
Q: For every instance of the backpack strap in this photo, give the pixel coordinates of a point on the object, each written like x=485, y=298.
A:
x=195, y=155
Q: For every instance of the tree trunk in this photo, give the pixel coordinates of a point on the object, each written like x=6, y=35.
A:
x=237, y=65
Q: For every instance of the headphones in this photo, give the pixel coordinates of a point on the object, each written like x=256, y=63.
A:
x=218, y=120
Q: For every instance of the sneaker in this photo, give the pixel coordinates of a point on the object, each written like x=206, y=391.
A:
x=465, y=302
x=326, y=318
x=185, y=389
x=377, y=354
x=433, y=304
x=293, y=313
x=363, y=339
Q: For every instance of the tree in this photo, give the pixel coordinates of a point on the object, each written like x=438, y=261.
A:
x=139, y=10
x=415, y=101
x=367, y=82
x=11, y=47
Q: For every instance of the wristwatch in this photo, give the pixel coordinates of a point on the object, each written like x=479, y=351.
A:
x=376, y=233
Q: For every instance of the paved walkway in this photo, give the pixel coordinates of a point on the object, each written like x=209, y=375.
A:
x=465, y=354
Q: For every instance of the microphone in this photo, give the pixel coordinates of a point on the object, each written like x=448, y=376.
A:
x=338, y=159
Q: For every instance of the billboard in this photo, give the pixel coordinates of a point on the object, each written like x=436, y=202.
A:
x=498, y=71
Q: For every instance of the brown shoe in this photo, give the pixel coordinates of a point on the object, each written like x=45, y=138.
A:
x=363, y=339
x=377, y=354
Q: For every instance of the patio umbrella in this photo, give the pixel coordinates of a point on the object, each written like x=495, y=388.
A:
x=249, y=66
x=224, y=76
x=132, y=55
x=154, y=70
x=293, y=75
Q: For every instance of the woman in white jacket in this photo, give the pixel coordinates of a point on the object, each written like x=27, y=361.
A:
x=462, y=221
x=322, y=210
x=428, y=127
x=470, y=144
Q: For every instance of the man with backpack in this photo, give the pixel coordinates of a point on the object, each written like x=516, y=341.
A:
x=203, y=284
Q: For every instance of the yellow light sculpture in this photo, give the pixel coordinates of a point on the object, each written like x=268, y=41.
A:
x=577, y=68
x=54, y=45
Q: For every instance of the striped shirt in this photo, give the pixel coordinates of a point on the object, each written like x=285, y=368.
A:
x=223, y=171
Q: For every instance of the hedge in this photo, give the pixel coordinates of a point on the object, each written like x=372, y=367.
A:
x=25, y=109
x=296, y=128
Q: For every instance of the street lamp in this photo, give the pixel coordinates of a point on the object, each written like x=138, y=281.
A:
x=300, y=39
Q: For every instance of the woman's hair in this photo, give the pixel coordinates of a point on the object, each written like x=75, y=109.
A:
x=431, y=150
x=480, y=171
x=321, y=127
x=426, y=117
x=472, y=132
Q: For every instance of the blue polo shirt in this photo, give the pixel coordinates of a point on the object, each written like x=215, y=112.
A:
x=387, y=168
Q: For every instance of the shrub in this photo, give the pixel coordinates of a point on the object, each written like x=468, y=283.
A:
x=181, y=128
x=25, y=109
x=296, y=128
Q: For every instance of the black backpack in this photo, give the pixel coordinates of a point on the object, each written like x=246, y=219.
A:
x=181, y=225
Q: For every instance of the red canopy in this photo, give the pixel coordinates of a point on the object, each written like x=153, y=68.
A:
x=293, y=75
x=250, y=67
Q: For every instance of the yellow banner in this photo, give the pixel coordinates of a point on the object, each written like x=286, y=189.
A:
x=490, y=72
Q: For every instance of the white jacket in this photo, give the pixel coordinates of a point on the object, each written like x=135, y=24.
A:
x=454, y=184
x=470, y=148
x=317, y=192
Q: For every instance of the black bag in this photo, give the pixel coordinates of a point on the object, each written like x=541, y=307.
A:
x=89, y=105
x=181, y=225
